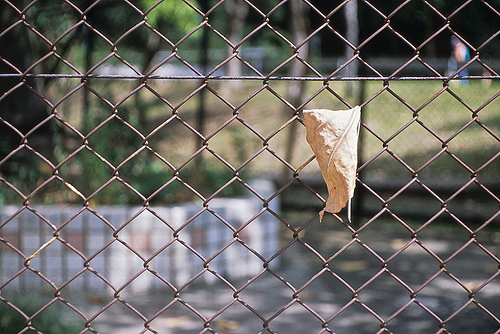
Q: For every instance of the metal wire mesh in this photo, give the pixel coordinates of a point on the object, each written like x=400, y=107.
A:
x=187, y=251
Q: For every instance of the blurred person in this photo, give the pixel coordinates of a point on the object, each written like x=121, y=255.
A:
x=459, y=56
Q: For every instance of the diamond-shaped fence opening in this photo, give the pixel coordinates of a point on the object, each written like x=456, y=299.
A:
x=155, y=177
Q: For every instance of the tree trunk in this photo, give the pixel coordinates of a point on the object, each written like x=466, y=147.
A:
x=298, y=28
x=237, y=11
x=352, y=35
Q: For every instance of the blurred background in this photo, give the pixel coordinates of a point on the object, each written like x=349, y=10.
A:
x=112, y=111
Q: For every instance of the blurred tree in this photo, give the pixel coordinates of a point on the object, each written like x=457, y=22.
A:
x=352, y=35
x=172, y=19
x=237, y=11
x=416, y=21
x=20, y=108
x=111, y=21
x=299, y=26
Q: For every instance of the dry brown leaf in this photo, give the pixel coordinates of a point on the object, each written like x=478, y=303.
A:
x=333, y=137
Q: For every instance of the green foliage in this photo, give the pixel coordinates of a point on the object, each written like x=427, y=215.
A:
x=49, y=321
x=173, y=13
x=25, y=174
x=144, y=174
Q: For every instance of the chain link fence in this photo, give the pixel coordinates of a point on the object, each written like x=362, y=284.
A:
x=152, y=175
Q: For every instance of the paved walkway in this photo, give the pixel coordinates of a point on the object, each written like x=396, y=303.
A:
x=327, y=295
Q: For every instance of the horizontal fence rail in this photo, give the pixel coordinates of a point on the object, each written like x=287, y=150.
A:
x=155, y=177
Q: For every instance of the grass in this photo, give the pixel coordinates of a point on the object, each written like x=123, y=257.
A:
x=51, y=320
x=391, y=132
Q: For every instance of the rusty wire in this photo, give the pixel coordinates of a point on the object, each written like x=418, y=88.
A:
x=237, y=293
